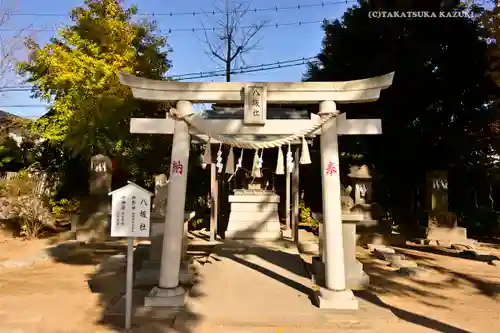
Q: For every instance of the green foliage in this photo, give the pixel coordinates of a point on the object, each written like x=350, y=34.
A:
x=5, y=157
x=62, y=208
x=77, y=73
x=490, y=18
x=195, y=223
x=305, y=215
x=438, y=111
x=12, y=157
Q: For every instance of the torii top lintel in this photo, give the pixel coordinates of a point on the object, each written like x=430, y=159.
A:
x=355, y=91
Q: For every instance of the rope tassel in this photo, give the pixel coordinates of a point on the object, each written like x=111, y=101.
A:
x=219, y=160
x=256, y=165
x=289, y=159
x=239, y=165
x=207, y=156
x=280, y=164
x=230, y=162
x=305, y=158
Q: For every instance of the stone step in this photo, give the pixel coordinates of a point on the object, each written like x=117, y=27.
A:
x=257, y=235
x=310, y=247
x=253, y=226
x=258, y=217
x=254, y=207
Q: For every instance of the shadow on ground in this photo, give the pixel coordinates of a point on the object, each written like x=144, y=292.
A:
x=482, y=285
x=463, y=254
x=287, y=261
x=427, y=291
x=410, y=317
x=108, y=281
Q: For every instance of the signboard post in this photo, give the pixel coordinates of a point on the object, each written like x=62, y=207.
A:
x=130, y=218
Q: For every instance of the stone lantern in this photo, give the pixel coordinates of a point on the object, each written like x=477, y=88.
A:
x=362, y=182
x=371, y=229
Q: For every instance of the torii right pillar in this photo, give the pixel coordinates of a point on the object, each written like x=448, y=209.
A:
x=335, y=295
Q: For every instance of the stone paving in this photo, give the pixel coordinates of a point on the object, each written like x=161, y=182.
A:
x=265, y=289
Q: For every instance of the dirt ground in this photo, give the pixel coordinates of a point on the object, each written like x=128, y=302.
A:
x=453, y=295
x=456, y=295
x=47, y=296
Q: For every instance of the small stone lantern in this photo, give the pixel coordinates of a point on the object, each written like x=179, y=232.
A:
x=371, y=229
x=362, y=181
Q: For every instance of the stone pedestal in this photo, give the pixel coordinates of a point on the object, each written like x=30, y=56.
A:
x=254, y=215
x=93, y=220
x=371, y=229
x=149, y=273
x=171, y=297
x=356, y=278
x=338, y=300
x=442, y=225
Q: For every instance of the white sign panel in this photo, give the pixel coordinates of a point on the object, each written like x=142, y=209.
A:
x=255, y=105
x=130, y=213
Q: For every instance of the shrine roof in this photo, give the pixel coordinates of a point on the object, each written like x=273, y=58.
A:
x=360, y=172
x=237, y=112
x=218, y=112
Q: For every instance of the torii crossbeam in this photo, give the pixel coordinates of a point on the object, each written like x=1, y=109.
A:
x=327, y=94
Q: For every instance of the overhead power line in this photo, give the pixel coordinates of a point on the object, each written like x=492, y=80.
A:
x=171, y=30
x=216, y=12
x=190, y=76
x=245, y=69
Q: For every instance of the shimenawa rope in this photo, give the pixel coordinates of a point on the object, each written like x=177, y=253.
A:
x=252, y=144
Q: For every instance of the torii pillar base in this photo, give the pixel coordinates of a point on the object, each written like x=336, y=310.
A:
x=168, y=297
x=338, y=300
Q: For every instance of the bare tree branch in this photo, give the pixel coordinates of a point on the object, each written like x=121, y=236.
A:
x=212, y=50
x=235, y=41
x=10, y=44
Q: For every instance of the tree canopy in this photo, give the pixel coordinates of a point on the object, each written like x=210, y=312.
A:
x=437, y=112
x=76, y=72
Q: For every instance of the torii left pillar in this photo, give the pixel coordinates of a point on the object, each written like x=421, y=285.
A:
x=169, y=293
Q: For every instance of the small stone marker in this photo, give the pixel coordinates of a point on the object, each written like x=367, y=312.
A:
x=479, y=255
x=130, y=217
x=413, y=271
x=383, y=253
x=495, y=263
x=380, y=248
x=462, y=247
x=399, y=262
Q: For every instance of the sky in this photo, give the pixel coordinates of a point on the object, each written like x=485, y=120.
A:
x=285, y=42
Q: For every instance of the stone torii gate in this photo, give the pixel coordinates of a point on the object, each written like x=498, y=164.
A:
x=335, y=295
